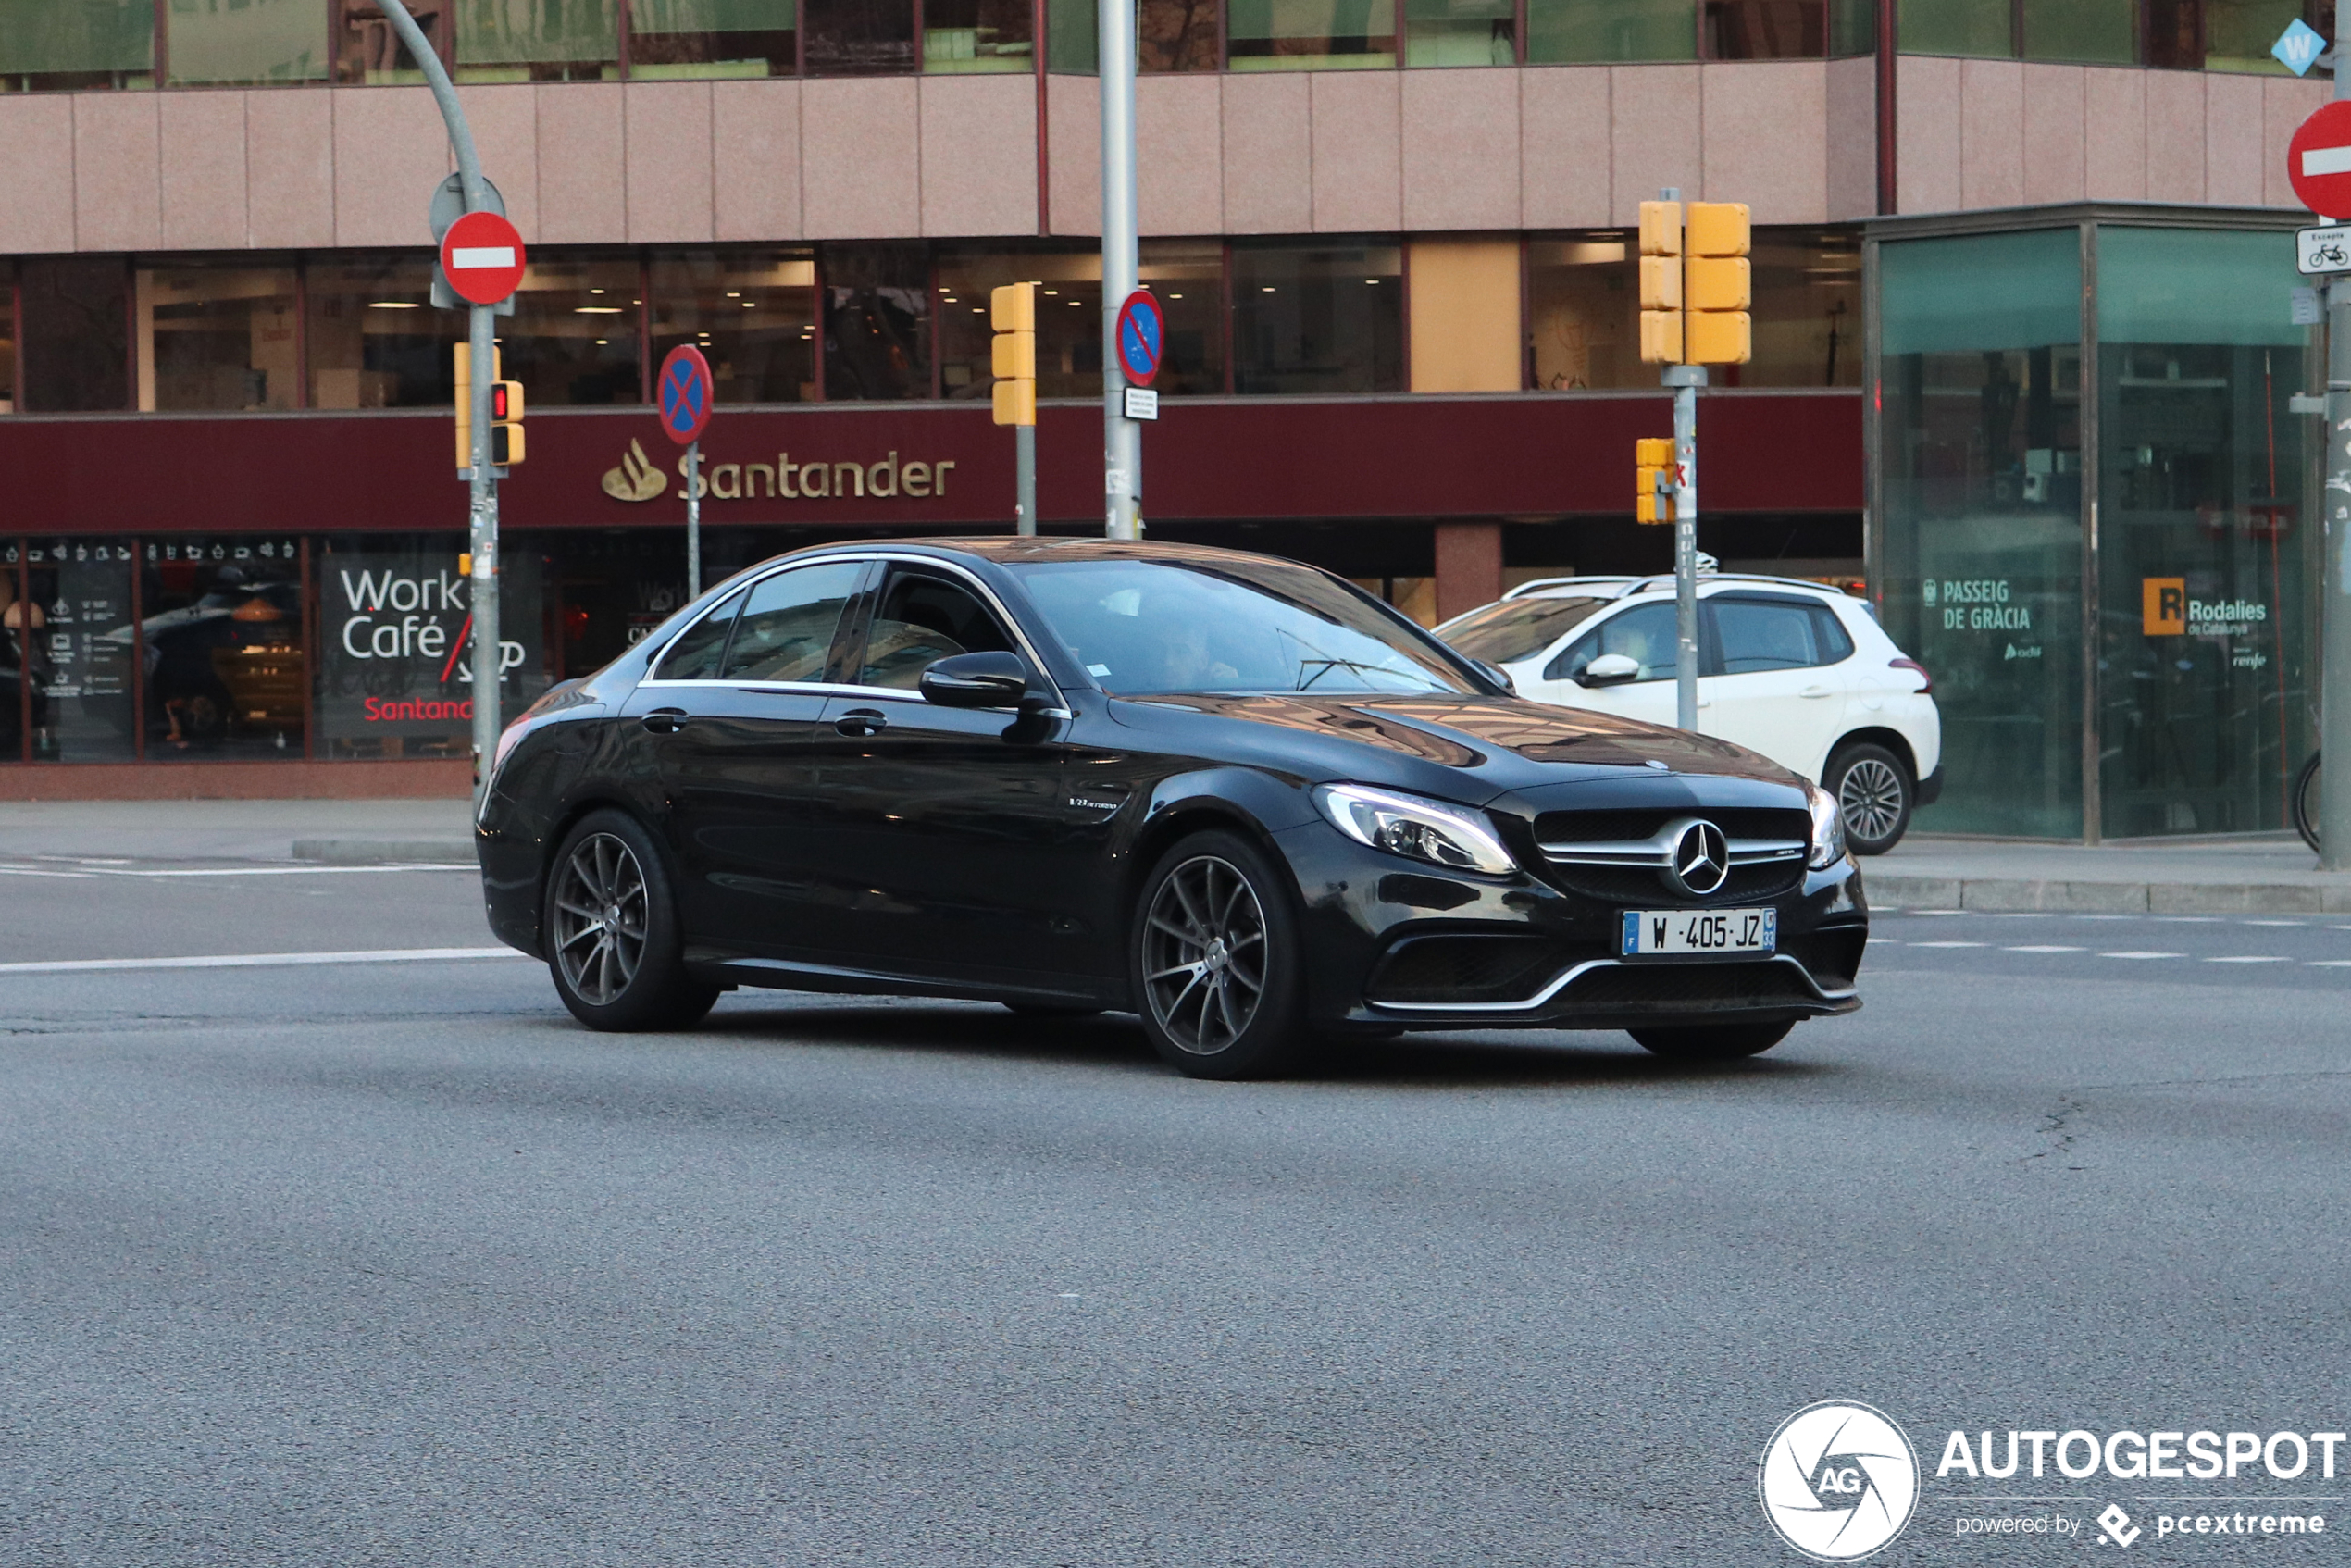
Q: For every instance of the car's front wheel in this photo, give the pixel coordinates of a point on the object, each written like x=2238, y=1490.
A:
x=612, y=934
x=1875, y=793
x=1214, y=960
x=1711, y=1042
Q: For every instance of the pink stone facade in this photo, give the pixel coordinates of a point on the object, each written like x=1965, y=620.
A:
x=1421, y=151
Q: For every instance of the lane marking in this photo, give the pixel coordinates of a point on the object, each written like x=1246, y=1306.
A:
x=265, y=960
x=2331, y=964
x=2268, y=922
x=2043, y=950
x=1947, y=944
x=2245, y=958
x=241, y=871
x=2143, y=955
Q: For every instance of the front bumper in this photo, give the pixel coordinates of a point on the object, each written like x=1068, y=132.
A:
x=1391, y=945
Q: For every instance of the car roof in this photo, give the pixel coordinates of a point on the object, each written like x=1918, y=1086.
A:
x=1625, y=587
x=1013, y=548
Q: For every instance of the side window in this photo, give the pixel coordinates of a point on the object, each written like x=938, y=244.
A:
x=920, y=620
x=787, y=628
x=695, y=653
x=1644, y=633
x=1756, y=635
x=1836, y=643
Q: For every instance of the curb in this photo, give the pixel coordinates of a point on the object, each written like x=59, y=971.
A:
x=385, y=852
x=2016, y=895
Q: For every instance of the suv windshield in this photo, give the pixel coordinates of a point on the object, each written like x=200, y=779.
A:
x=1510, y=629
x=1152, y=627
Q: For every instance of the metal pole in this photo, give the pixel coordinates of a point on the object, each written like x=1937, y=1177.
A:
x=2334, y=602
x=1685, y=380
x=1122, y=437
x=482, y=513
x=1025, y=478
x=693, y=518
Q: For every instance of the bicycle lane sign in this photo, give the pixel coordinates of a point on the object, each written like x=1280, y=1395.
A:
x=2322, y=250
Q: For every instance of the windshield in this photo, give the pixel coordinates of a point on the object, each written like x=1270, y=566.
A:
x=1511, y=629
x=1151, y=627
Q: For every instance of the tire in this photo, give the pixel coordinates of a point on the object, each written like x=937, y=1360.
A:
x=1216, y=960
x=1875, y=793
x=611, y=931
x=1711, y=1042
x=2305, y=797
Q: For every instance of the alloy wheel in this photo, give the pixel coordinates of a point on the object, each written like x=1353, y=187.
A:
x=1204, y=954
x=601, y=912
x=1869, y=796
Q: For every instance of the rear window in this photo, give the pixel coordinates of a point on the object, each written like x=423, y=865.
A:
x=1505, y=632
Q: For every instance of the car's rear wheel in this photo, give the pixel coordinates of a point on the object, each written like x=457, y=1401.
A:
x=1875, y=793
x=1214, y=960
x=612, y=934
x=1711, y=1042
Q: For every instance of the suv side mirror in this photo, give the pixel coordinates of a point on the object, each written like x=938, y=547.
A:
x=995, y=680
x=1610, y=669
x=1497, y=675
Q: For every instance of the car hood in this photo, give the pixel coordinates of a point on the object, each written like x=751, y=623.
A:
x=1511, y=744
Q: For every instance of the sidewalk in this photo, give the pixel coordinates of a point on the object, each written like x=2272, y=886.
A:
x=2269, y=876
x=329, y=830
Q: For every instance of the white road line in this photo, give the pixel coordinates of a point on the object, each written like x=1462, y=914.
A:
x=2043, y=950
x=2249, y=958
x=264, y=960
x=2268, y=922
x=29, y=871
x=1947, y=944
x=239, y=871
x=2331, y=964
x=2143, y=955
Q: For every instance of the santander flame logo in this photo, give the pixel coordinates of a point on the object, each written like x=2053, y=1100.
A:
x=636, y=478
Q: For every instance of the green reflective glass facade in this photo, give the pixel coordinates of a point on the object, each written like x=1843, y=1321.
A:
x=2090, y=521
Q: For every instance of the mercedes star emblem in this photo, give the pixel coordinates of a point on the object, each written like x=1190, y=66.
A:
x=1701, y=860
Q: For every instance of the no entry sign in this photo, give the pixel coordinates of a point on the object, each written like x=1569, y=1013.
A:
x=2319, y=160
x=481, y=256
x=685, y=391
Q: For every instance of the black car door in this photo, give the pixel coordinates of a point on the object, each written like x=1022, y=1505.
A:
x=948, y=833
x=732, y=715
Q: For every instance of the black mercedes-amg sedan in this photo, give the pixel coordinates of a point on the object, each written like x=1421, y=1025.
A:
x=1234, y=795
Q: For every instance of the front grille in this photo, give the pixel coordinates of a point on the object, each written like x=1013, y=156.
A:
x=1689, y=985
x=1612, y=826
x=1641, y=887
x=1466, y=969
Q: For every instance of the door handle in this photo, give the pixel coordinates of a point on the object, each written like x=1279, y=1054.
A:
x=1815, y=691
x=666, y=721
x=862, y=722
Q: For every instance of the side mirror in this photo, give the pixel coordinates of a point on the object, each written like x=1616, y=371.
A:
x=976, y=681
x=1610, y=669
x=1497, y=675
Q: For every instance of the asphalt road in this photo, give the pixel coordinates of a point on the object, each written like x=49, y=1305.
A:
x=388, y=1262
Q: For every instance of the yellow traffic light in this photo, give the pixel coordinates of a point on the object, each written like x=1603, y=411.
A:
x=465, y=402
x=506, y=424
x=1719, y=285
x=1661, y=337
x=1661, y=228
x=1662, y=283
x=1013, y=312
x=1653, y=459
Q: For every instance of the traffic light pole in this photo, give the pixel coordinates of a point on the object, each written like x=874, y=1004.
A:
x=1685, y=380
x=1024, y=478
x=2335, y=612
x=482, y=513
x=1122, y=438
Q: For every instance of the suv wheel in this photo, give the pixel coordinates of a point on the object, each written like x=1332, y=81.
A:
x=1214, y=960
x=1875, y=793
x=611, y=931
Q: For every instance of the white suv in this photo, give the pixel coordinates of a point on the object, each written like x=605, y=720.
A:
x=1801, y=673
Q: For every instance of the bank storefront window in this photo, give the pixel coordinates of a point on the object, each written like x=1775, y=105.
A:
x=373, y=338
x=83, y=649
x=2206, y=696
x=753, y=313
x=572, y=339
x=1321, y=317
x=221, y=643
x=1981, y=450
x=216, y=337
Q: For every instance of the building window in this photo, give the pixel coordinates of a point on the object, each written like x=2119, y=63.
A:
x=538, y=40
x=1310, y=35
x=1566, y=32
x=1073, y=36
x=373, y=338
x=48, y=48
x=753, y=313
x=1765, y=30
x=216, y=338
x=246, y=41
x=876, y=322
x=1984, y=27
x=2237, y=33
x=713, y=38
x=966, y=36
x=7, y=342
x=1069, y=317
x=367, y=52
x=2092, y=31
x=83, y=662
x=860, y=37
x=1188, y=278
x=1318, y=318
x=1176, y=35
x=1461, y=32
x=1807, y=311
x=221, y=635
x=1852, y=28
x=573, y=337
x=76, y=314
x=1583, y=315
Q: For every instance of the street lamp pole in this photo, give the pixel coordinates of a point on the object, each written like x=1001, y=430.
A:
x=2334, y=601
x=482, y=516
x=1122, y=437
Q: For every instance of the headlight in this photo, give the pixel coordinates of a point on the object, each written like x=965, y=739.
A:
x=1454, y=837
x=1828, y=828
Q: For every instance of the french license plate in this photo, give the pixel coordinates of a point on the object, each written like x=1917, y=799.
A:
x=1649, y=932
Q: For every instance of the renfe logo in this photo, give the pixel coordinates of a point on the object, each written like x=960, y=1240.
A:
x=2163, y=606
